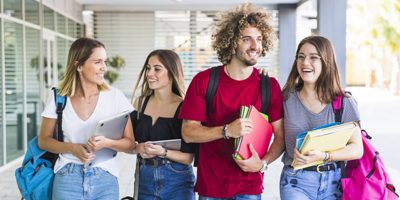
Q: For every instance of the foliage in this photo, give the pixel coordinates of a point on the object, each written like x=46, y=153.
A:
x=115, y=64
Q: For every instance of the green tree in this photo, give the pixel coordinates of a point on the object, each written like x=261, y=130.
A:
x=384, y=33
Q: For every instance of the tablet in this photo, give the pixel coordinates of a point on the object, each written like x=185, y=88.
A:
x=174, y=144
x=113, y=128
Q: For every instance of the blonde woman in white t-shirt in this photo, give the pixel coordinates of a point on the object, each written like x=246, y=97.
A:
x=89, y=99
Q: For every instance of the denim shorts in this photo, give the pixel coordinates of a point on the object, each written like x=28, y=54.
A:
x=306, y=185
x=73, y=182
x=236, y=197
x=168, y=181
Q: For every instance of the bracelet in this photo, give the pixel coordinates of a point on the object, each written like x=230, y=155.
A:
x=326, y=157
x=225, y=132
x=330, y=157
x=165, y=153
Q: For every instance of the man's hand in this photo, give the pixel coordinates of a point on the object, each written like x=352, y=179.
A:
x=253, y=164
x=239, y=127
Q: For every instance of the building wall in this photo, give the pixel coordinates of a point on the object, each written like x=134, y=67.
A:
x=31, y=61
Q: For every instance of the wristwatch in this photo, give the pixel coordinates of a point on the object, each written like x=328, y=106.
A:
x=264, y=166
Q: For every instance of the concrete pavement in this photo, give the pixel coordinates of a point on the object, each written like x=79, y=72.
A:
x=380, y=115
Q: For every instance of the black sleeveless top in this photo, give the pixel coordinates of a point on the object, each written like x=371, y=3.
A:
x=163, y=129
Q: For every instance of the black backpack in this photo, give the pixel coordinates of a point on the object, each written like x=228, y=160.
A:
x=212, y=89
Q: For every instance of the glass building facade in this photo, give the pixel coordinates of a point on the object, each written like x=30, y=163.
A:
x=33, y=51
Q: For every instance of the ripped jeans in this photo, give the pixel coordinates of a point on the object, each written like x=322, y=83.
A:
x=309, y=185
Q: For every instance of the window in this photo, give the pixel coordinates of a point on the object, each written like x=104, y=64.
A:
x=32, y=11
x=13, y=8
x=32, y=82
x=13, y=89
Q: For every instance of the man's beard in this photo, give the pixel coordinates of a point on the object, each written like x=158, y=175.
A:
x=241, y=56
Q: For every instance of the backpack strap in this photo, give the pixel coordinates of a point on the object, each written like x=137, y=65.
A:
x=60, y=102
x=212, y=87
x=338, y=108
x=210, y=93
x=337, y=105
x=265, y=93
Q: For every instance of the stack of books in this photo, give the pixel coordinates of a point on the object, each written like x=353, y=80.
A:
x=259, y=137
x=325, y=138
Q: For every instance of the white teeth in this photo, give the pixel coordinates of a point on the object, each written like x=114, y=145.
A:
x=252, y=53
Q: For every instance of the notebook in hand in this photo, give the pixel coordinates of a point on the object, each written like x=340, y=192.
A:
x=112, y=127
x=326, y=138
x=260, y=136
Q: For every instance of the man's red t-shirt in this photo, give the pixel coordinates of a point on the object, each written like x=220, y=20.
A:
x=218, y=175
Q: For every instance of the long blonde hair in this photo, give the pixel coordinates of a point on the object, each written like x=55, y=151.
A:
x=79, y=53
x=172, y=63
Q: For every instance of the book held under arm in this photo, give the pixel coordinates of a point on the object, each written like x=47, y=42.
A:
x=260, y=136
x=326, y=138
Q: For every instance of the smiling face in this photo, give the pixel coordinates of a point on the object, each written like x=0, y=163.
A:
x=157, y=74
x=309, y=63
x=249, y=46
x=93, y=69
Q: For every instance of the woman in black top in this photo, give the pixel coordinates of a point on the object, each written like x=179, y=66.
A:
x=164, y=173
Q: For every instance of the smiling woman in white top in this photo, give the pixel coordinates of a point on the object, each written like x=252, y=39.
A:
x=89, y=99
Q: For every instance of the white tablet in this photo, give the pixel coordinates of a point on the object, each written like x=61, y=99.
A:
x=174, y=144
x=113, y=128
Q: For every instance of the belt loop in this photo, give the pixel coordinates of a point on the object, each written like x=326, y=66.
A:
x=70, y=167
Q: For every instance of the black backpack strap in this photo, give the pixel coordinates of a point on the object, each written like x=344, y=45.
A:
x=265, y=93
x=212, y=87
x=60, y=102
x=210, y=93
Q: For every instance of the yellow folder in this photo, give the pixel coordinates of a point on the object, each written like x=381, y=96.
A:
x=326, y=139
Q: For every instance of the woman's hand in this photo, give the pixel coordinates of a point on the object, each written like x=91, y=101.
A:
x=309, y=157
x=96, y=143
x=156, y=150
x=140, y=149
x=263, y=71
x=83, y=152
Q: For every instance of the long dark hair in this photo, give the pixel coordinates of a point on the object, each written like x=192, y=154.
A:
x=172, y=63
x=328, y=83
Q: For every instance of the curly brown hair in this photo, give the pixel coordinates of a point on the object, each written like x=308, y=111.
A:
x=232, y=22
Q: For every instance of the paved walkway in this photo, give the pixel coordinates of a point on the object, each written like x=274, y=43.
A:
x=380, y=116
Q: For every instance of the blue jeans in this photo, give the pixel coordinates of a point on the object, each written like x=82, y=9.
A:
x=73, y=181
x=306, y=185
x=236, y=197
x=169, y=181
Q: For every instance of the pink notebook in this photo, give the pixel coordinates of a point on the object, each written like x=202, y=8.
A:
x=260, y=136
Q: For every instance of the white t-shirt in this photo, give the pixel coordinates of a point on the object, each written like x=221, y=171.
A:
x=109, y=103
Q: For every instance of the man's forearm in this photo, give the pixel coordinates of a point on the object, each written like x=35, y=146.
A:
x=194, y=132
